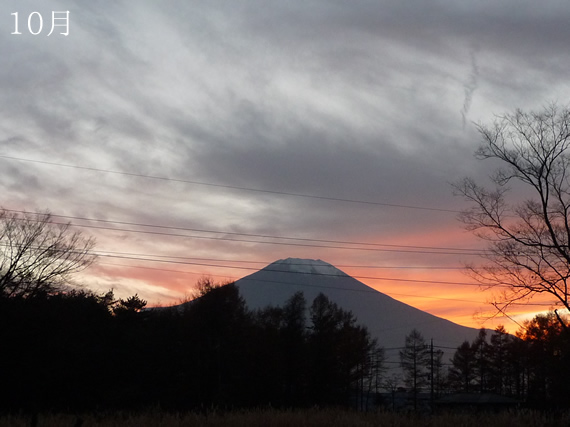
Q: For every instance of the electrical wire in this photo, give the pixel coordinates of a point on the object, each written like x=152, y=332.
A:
x=266, y=242
x=304, y=239
x=231, y=187
x=267, y=269
x=264, y=263
x=320, y=286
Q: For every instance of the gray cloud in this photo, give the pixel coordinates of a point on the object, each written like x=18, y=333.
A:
x=354, y=100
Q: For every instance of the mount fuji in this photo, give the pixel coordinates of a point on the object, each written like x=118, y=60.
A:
x=387, y=319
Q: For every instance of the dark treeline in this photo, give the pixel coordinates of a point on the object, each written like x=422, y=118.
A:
x=533, y=366
x=78, y=350
x=81, y=351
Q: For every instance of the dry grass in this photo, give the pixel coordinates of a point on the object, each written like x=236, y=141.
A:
x=295, y=418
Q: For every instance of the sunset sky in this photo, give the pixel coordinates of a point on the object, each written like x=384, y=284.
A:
x=214, y=137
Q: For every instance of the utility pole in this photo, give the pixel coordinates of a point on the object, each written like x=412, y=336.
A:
x=432, y=388
x=415, y=379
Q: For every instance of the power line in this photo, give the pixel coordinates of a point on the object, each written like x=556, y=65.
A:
x=285, y=283
x=343, y=275
x=312, y=285
x=264, y=263
x=436, y=252
x=115, y=255
x=108, y=254
x=231, y=187
x=266, y=236
x=438, y=249
x=287, y=271
x=426, y=345
x=270, y=243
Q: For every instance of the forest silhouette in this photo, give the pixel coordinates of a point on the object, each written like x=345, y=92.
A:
x=80, y=351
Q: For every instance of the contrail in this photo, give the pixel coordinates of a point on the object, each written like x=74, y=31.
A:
x=469, y=87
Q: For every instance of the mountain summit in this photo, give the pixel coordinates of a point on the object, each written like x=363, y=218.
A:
x=387, y=319
x=305, y=266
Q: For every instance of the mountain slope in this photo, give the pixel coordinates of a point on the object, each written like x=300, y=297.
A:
x=387, y=319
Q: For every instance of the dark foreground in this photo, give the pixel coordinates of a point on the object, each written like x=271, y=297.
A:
x=273, y=418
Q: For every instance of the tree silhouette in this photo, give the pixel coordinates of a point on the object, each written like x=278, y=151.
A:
x=548, y=353
x=499, y=377
x=462, y=374
x=529, y=242
x=481, y=354
x=216, y=327
x=415, y=360
x=38, y=255
x=129, y=307
x=342, y=352
x=498, y=366
x=76, y=350
x=294, y=349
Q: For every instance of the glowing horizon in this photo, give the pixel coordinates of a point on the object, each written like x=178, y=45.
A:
x=261, y=131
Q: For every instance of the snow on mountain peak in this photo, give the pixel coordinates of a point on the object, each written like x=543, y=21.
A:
x=306, y=266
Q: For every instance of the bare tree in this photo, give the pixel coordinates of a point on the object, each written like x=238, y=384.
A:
x=415, y=360
x=37, y=255
x=528, y=252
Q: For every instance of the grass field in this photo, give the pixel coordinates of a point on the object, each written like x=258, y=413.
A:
x=273, y=418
